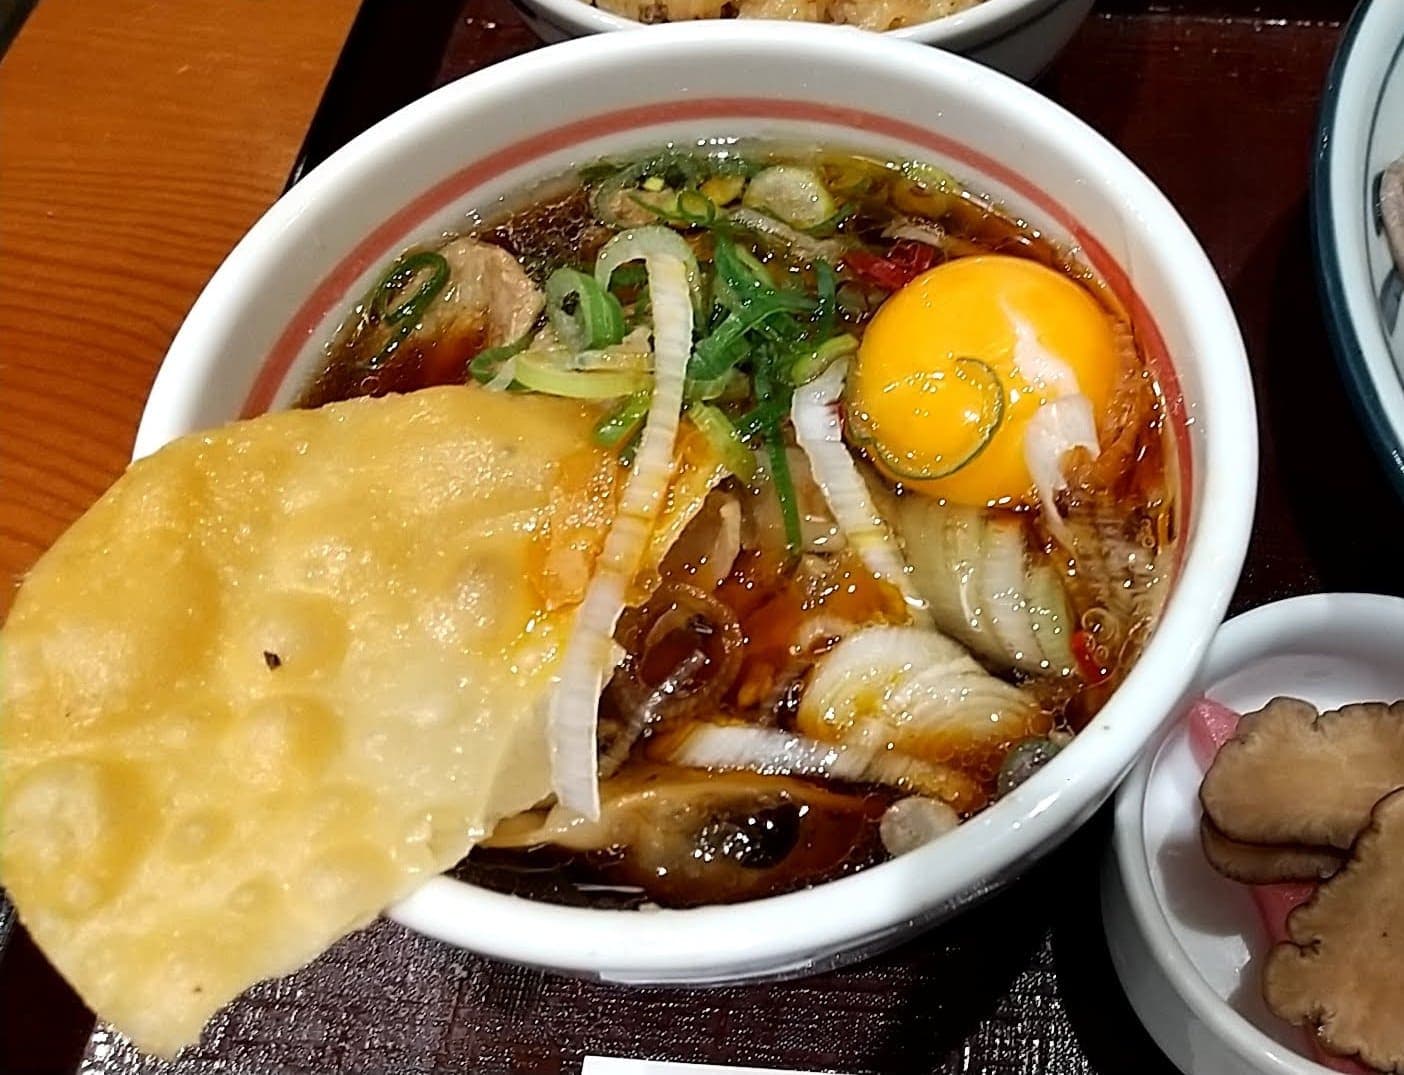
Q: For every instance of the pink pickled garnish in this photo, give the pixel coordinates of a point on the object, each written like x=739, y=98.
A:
x=1276, y=902
x=1211, y=725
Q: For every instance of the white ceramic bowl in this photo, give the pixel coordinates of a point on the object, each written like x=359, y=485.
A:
x=253, y=334
x=1362, y=131
x=1185, y=941
x=1018, y=37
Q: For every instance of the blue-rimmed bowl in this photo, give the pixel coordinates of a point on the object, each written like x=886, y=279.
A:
x=1362, y=132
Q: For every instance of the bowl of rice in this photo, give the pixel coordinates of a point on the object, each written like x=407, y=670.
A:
x=1018, y=37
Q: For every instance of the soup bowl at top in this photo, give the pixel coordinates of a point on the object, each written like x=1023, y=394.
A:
x=255, y=333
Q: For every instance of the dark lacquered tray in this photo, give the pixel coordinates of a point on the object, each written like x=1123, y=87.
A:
x=1217, y=101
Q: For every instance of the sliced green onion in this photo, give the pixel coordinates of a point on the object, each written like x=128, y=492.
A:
x=619, y=358
x=784, y=488
x=736, y=388
x=584, y=315
x=930, y=176
x=810, y=364
x=826, y=301
x=487, y=364
x=652, y=174
x=630, y=277
x=621, y=424
x=991, y=417
x=539, y=373
x=791, y=193
x=827, y=228
x=742, y=281
x=400, y=275
x=759, y=272
x=774, y=404
x=759, y=417
x=722, y=436
x=690, y=208
x=651, y=240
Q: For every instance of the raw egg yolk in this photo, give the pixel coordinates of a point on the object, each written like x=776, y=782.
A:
x=942, y=353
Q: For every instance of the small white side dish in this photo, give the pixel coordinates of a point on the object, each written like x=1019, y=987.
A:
x=1187, y=942
x=256, y=332
x=1018, y=37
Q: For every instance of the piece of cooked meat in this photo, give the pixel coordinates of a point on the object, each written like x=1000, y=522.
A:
x=489, y=297
x=1266, y=864
x=1338, y=973
x=488, y=301
x=1293, y=776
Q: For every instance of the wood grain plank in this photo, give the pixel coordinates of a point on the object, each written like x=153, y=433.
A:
x=139, y=142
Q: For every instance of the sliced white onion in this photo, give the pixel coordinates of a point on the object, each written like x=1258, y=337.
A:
x=574, y=705
x=649, y=242
x=1056, y=428
x=725, y=549
x=778, y=233
x=904, y=688
x=914, y=822
x=929, y=234
x=775, y=752
x=1035, y=362
x=819, y=432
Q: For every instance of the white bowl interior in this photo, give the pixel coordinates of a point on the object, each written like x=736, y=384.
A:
x=285, y=285
x=1328, y=649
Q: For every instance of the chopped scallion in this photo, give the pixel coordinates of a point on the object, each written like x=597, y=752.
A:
x=722, y=436
x=623, y=422
x=584, y=315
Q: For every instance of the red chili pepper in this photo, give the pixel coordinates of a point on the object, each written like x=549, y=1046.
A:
x=903, y=263
x=915, y=256
x=1084, y=648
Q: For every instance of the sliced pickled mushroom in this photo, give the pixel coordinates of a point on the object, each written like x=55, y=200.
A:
x=1291, y=775
x=1266, y=864
x=919, y=693
x=1392, y=209
x=775, y=751
x=689, y=837
x=987, y=585
x=1338, y=971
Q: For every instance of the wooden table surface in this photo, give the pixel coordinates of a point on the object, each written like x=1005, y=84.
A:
x=138, y=146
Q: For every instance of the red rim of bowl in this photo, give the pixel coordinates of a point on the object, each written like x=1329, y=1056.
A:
x=392, y=234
